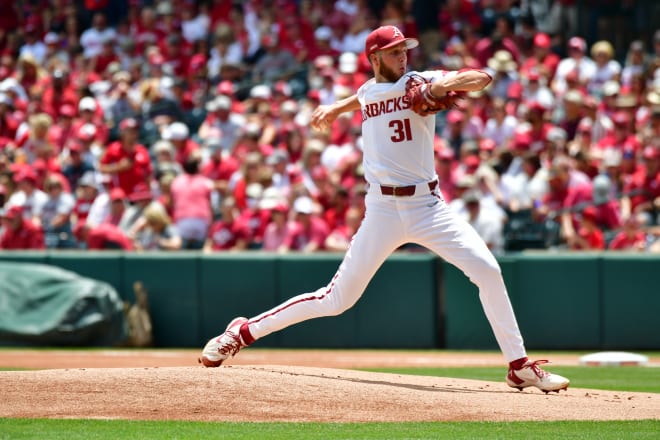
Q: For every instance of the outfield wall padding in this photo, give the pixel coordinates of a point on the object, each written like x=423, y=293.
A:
x=631, y=302
x=562, y=301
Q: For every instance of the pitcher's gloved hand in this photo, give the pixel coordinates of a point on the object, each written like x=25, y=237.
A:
x=423, y=102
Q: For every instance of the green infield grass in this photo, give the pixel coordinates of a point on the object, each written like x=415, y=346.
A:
x=632, y=378
x=118, y=429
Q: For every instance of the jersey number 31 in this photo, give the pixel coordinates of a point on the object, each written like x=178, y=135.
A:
x=401, y=129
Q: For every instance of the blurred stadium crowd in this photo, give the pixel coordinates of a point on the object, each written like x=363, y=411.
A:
x=183, y=124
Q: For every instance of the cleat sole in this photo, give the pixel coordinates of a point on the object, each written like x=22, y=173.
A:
x=208, y=362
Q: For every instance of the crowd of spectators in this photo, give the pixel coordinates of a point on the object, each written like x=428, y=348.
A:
x=185, y=125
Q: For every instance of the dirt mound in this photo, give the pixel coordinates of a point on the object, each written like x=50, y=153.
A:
x=278, y=393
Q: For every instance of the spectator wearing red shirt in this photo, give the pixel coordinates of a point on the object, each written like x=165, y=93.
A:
x=62, y=131
x=322, y=46
x=622, y=135
x=179, y=135
x=8, y=124
x=498, y=41
x=147, y=31
x=455, y=15
x=632, y=237
x=539, y=126
x=445, y=171
x=175, y=52
x=125, y=160
x=559, y=188
x=335, y=214
x=9, y=15
x=589, y=236
x=86, y=192
x=226, y=234
x=249, y=143
x=106, y=56
x=296, y=34
x=543, y=60
x=608, y=207
x=643, y=190
x=249, y=174
x=340, y=237
x=310, y=231
x=253, y=218
x=219, y=169
x=58, y=93
x=89, y=112
x=20, y=233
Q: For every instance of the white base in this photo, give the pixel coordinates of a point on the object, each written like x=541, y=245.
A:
x=613, y=358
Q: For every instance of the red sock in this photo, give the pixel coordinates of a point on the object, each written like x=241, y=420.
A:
x=245, y=334
x=518, y=363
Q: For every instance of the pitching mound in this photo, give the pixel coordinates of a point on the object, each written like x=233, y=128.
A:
x=277, y=393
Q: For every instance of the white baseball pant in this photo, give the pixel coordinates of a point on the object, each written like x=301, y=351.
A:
x=390, y=222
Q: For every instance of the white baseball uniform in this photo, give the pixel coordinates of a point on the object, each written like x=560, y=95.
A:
x=398, y=160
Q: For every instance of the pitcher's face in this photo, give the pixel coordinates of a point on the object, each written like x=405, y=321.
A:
x=392, y=63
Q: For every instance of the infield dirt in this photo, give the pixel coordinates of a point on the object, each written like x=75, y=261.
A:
x=314, y=387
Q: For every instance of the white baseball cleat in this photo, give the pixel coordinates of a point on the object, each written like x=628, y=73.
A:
x=531, y=375
x=218, y=349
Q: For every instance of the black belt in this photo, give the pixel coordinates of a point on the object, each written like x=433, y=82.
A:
x=404, y=191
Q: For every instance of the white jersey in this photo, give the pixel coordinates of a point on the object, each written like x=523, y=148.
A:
x=398, y=143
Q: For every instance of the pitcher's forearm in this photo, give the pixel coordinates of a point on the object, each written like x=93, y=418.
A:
x=467, y=80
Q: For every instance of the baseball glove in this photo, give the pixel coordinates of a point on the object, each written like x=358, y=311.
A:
x=423, y=102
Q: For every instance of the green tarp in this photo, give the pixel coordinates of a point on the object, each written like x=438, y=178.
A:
x=45, y=305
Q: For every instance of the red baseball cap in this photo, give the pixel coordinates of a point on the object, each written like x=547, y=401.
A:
x=472, y=161
x=86, y=132
x=585, y=126
x=533, y=75
x=542, y=40
x=486, y=144
x=621, y=118
x=67, y=110
x=314, y=95
x=577, y=43
x=385, y=37
x=13, y=212
x=117, y=194
x=26, y=174
x=651, y=153
x=590, y=213
x=521, y=140
x=225, y=87
x=514, y=91
x=197, y=61
x=75, y=147
x=281, y=207
x=128, y=123
x=536, y=106
x=455, y=116
x=156, y=59
x=446, y=154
